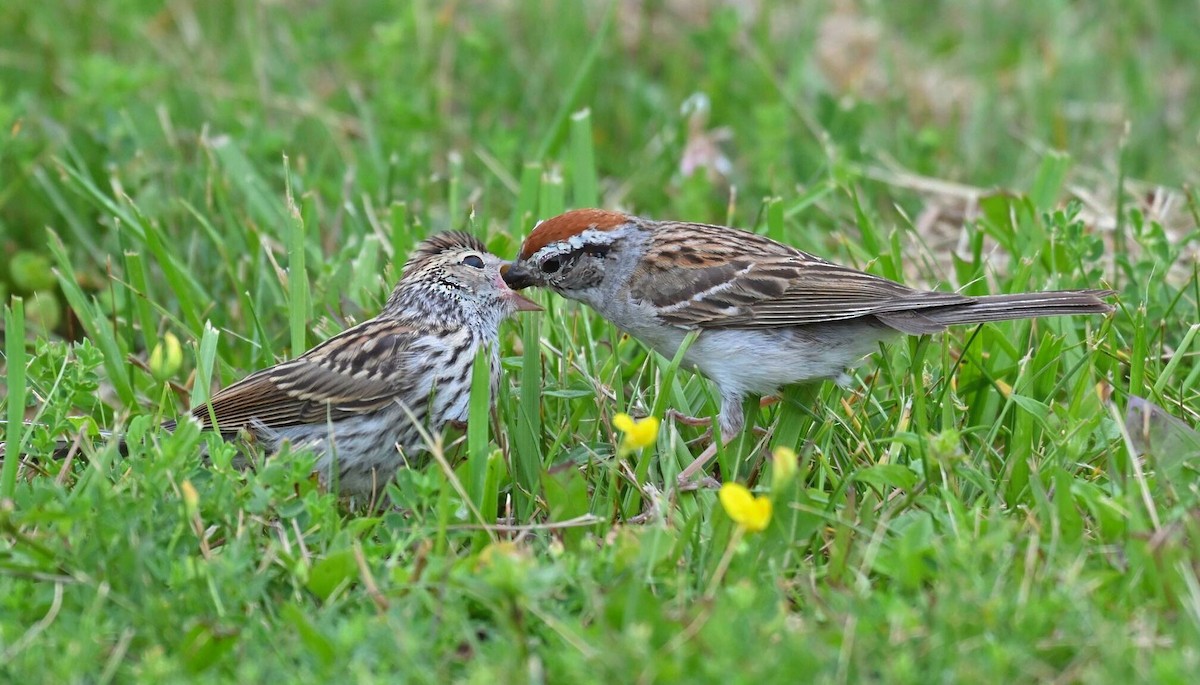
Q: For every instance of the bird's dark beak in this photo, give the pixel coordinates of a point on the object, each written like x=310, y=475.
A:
x=513, y=274
x=517, y=276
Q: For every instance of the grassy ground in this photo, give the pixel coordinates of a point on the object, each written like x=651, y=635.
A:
x=246, y=177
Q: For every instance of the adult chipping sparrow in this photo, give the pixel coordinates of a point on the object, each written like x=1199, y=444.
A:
x=768, y=314
x=363, y=397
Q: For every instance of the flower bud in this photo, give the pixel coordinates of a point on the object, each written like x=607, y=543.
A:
x=783, y=467
x=166, y=357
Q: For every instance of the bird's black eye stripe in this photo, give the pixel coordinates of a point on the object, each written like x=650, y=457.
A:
x=553, y=264
x=473, y=261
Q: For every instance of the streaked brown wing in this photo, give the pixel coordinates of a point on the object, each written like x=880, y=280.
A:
x=357, y=371
x=749, y=281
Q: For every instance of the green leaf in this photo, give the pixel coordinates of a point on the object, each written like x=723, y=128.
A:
x=885, y=476
x=318, y=645
x=567, y=497
x=14, y=360
x=205, y=646
x=1040, y=411
x=334, y=571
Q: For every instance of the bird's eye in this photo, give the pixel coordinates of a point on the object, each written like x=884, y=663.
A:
x=551, y=265
x=473, y=261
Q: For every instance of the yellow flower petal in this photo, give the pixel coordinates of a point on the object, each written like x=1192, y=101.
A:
x=637, y=434
x=746, y=510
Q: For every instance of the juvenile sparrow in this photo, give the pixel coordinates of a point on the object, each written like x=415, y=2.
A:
x=359, y=397
x=769, y=314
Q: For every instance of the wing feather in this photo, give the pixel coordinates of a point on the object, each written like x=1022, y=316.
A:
x=358, y=371
x=745, y=280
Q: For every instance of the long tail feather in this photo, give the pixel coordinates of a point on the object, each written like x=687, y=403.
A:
x=999, y=308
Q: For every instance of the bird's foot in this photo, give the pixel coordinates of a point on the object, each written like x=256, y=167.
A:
x=693, y=476
x=690, y=484
x=706, y=421
x=704, y=437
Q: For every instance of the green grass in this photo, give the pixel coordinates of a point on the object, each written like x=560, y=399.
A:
x=249, y=177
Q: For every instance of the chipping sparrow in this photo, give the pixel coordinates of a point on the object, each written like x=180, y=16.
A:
x=359, y=397
x=769, y=314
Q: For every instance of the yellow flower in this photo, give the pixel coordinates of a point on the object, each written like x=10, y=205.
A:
x=746, y=510
x=637, y=434
x=783, y=466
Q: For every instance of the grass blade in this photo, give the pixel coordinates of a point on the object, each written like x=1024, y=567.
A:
x=299, y=312
x=96, y=327
x=14, y=359
x=527, y=460
x=478, y=409
x=206, y=356
x=583, y=161
x=571, y=95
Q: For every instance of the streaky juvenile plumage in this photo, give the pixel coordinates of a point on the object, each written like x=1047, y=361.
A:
x=362, y=398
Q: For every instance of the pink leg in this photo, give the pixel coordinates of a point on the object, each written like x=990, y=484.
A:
x=687, y=479
x=680, y=417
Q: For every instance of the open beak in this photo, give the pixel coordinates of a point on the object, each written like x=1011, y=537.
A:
x=517, y=276
x=524, y=304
